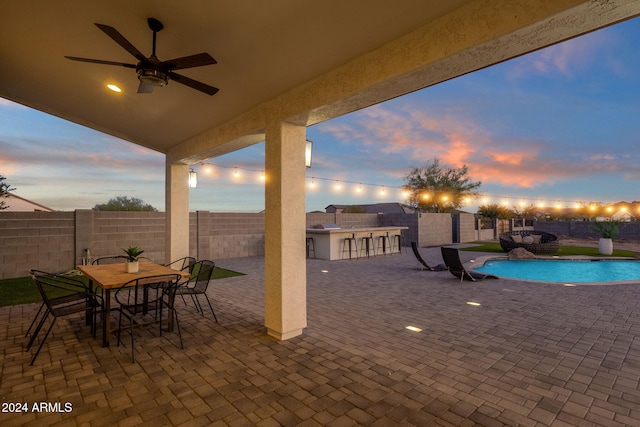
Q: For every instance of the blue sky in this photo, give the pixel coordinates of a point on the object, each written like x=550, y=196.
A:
x=560, y=125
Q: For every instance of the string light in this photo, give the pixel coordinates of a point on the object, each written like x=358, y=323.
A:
x=484, y=199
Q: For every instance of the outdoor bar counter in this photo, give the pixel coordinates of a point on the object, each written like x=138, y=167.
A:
x=329, y=241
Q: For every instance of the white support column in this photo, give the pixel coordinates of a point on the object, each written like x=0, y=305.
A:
x=177, y=211
x=285, y=230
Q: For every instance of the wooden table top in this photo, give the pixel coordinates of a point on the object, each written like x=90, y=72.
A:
x=113, y=276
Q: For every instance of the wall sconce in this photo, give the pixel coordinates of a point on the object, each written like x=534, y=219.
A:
x=307, y=154
x=193, y=179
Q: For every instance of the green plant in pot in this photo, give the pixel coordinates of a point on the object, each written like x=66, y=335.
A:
x=133, y=253
x=608, y=230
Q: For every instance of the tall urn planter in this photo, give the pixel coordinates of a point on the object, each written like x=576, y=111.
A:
x=608, y=230
x=605, y=246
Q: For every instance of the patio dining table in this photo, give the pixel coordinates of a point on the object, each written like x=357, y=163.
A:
x=114, y=276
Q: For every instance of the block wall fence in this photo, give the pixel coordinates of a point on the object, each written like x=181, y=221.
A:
x=58, y=241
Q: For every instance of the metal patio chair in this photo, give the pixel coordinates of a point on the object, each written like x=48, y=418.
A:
x=142, y=301
x=197, y=284
x=62, y=296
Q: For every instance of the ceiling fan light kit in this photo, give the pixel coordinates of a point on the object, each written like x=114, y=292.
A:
x=151, y=71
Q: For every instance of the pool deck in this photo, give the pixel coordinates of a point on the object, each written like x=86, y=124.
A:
x=528, y=355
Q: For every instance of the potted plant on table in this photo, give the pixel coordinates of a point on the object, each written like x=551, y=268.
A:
x=133, y=252
x=608, y=230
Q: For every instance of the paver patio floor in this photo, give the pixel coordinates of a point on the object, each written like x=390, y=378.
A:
x=529, y=354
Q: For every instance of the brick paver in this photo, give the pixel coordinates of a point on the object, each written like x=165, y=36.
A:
x=530, y=355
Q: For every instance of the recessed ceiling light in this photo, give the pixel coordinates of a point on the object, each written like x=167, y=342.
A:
x=475, y=304
x=114, y=88
x=413, y=328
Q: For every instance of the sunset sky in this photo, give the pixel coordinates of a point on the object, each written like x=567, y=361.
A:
x=558, y=125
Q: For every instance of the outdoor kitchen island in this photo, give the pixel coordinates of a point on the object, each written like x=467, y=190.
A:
x=329, y=241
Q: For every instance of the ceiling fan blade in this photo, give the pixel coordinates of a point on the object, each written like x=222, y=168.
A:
x=209, y=90
x=119, y=38
x=100, y=61
x=145, y=88
x=190, y=61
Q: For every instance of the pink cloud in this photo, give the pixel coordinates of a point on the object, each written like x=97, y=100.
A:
x=419, y=135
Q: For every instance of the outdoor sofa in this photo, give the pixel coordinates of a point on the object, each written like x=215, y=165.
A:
x=537, y=242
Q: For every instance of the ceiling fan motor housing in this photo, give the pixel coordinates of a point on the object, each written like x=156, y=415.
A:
x=152, y=76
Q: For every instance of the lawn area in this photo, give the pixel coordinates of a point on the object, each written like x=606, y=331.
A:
x=564, y=250
x=22, y=290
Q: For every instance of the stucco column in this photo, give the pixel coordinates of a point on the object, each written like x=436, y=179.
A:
x=285, y=230
x=177, y=211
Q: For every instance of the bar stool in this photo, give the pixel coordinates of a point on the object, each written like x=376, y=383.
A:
x=347, y=241
x=398, y=241
x=311, y=246
x=367, y=245
x=386, y=243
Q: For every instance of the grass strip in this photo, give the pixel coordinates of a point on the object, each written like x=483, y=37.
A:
x=494, y=247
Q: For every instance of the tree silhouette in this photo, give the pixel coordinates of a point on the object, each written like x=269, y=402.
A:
x=5, y=188
x=124, y=203
x=435, y=188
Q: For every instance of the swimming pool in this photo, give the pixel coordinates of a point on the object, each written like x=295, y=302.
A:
x=565, y=271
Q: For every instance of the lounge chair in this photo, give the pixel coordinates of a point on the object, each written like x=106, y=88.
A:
x=451, y=258
x=422, y=263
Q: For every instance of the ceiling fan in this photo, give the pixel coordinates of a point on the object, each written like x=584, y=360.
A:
x=151, y=71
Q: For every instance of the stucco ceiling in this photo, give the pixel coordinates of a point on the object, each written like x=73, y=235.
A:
x=263, y=49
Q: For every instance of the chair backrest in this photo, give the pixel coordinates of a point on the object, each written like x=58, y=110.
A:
x=183, y=263
x=59, y=291
x=201, y=274
x=113, y=259
x=451, y=258
x=137, y=295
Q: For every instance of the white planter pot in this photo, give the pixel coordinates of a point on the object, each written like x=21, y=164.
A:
x=605, y=246
x=133, y=267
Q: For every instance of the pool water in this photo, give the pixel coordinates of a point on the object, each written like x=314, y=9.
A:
x=554, y=270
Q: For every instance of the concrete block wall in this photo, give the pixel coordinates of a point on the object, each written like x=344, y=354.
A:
x=35, y=240
x=585, y=229
x=467, y=228
x=114, y=231
x=344, y=220
x=233, y=235
x=402, y=220
x=435, y=229
x=350, y=220
x=315, y=218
